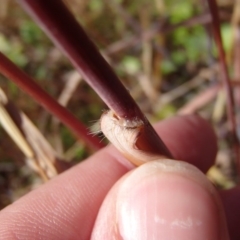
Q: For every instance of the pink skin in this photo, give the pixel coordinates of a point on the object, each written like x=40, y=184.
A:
x=67, y=206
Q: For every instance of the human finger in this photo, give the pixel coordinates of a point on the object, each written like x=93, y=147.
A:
x=67, y=206
x=162, y=199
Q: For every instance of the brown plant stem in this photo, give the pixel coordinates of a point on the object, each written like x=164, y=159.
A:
x=225, y=78
x=11, y=71
x=60, y=25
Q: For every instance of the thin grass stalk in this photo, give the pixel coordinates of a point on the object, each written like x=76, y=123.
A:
x=11, y=71
x=225, y=78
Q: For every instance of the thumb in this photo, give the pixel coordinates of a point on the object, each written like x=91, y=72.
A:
x=164, y=199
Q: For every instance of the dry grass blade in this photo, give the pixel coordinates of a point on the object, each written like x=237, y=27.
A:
x=11, y=128
x=47, y=158
x=200, y=100
x=206, y=73
x=70, y=86
x=145, y=78
x=219, y=106
x=71, y=83
x=39, y=154
x=219, y=179
x=147, y=87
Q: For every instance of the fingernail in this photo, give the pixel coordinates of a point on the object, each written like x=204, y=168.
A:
x=169, y=200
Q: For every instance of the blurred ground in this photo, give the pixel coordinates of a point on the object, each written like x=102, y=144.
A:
x=163, y=52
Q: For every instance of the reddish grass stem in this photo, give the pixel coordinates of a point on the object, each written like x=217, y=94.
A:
x=11, y=71
x=225, y=76
x=60, y=25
